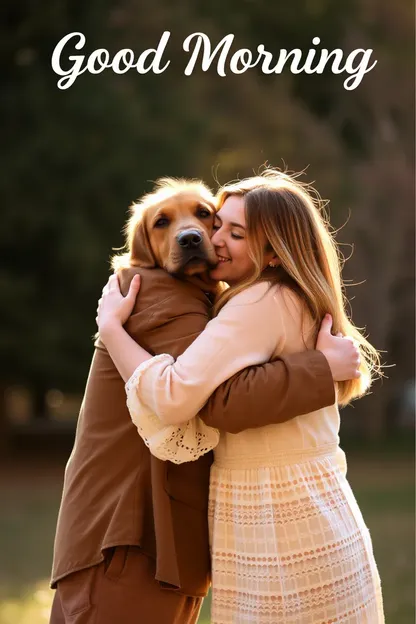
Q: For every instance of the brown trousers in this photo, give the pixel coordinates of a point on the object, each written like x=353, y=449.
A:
x=121, y=590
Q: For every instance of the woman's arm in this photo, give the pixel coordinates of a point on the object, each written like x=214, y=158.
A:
x=299, y=384
x=245, y=332
x=113, y=311
x=126, y=354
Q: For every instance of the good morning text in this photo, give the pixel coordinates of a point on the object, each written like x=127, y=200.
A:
x=200, y=54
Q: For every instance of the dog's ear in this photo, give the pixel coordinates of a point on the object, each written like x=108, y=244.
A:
x=141, y=253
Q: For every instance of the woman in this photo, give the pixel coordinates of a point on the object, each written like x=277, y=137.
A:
x=288, y=540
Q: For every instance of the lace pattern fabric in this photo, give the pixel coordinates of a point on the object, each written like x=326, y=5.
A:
x=289, y=545
x=174, y=443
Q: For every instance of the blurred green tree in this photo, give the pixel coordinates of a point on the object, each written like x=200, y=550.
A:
x=73, y=160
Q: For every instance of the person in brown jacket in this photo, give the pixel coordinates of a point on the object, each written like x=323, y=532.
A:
x=131, y=542
x=132, y=539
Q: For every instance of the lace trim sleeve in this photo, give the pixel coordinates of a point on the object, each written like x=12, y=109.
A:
x=175, y=443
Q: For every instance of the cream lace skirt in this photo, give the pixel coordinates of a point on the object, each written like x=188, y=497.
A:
x=289, y=544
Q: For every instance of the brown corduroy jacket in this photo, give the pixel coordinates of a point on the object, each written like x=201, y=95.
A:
x=116, y=493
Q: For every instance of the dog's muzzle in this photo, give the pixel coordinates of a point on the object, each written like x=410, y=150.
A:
x=189, y=239
x=193, y=255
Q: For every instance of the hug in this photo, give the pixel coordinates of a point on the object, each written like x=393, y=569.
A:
x=207, y=447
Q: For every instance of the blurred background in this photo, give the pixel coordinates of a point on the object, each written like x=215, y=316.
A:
x=73, y=161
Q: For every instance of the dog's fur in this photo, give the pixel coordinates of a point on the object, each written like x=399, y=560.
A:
x=175, y=208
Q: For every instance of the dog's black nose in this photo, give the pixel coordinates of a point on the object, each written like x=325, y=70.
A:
x=189, y=239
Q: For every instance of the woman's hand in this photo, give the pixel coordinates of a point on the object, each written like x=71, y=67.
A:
x=114, y=309
x=341, y=352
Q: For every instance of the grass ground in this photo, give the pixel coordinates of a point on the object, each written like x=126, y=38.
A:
x=29, y=503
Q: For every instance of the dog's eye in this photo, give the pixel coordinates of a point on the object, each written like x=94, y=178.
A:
x=162, y=222
x=203, y=213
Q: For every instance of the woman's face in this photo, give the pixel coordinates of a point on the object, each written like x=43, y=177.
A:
x=230, y=243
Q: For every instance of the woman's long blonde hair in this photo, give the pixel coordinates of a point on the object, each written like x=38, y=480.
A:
x=291, y=216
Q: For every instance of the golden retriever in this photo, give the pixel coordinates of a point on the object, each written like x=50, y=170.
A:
x=171, y=228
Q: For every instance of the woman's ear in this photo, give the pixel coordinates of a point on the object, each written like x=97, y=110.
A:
x=274, y=262
x=271, y=259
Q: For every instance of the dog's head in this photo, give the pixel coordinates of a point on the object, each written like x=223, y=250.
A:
x=171, y=228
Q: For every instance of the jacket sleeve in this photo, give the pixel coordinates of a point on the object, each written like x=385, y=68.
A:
x=271, y=393
x=247, y=331
x=254, y=397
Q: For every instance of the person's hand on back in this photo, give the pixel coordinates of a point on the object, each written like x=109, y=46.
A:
x=341, y=352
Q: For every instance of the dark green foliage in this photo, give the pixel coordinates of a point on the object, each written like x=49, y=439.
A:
x=72, y=161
